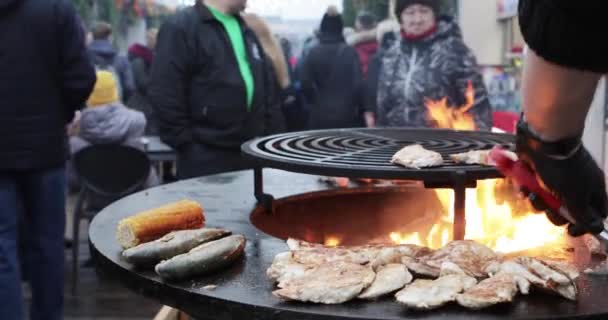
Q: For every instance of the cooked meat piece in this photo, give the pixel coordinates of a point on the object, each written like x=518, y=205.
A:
x=450, y=268
x=594, y=246
x=472, y=157
x=470, y=256
x=329, y=283
x=481, y=157
x=501, y=288
x=389, y=255
x=420, y=268
x=600, y=270
x=524, y=276
x=389, y=278
x=319, y=256
x=543, y=271
x=563, y=267
x=541, y=276
x=315, y=254
x=284, y=268
x=431, y=294
x=416, y=157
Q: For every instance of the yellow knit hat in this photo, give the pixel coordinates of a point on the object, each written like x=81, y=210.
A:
x=105, y=91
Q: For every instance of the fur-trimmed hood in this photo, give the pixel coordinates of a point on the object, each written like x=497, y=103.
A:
x=362, y=37
x=271, y=47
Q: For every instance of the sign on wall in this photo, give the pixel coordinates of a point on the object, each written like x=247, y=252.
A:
x=507, y=8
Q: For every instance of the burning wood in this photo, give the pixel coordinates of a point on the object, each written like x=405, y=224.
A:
x=330, y=275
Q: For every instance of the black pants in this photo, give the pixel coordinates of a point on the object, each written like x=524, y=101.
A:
x=198, y=160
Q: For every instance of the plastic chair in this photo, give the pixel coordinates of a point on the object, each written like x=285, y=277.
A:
x=107, y=171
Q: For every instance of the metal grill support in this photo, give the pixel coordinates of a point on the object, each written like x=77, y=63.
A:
x=460, y=193
x=264, y=199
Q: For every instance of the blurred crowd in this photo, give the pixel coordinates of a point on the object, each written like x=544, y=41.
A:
x=210, y=79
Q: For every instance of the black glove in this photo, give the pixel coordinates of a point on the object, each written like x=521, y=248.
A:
x=568, y=171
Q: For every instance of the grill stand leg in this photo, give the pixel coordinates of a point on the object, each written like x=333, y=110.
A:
x=264, y=199
x=460, y=221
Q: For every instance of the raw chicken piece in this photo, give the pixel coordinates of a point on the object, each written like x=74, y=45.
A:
x=432, y=294
x=416, y=157
x=330, y=283
x=501, y=288
x=389, y=278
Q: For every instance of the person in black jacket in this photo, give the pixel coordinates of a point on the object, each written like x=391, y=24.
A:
x=561, y=74
x=210, y=98
x=331, y=78
x=141, y=57
x=45, y=76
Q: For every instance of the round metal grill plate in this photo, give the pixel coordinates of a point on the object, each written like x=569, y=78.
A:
x=366, y=153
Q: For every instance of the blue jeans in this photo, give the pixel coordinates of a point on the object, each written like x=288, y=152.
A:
x=37, y=198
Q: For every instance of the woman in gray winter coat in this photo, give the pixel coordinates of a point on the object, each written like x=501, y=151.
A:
x=107, y=121
x=429, y=62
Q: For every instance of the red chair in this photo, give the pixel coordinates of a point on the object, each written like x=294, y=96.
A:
x=506, y=121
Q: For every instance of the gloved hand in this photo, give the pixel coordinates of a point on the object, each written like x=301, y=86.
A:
x=567, y=170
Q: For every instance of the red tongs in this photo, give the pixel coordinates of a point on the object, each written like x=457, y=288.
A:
x=523, y=175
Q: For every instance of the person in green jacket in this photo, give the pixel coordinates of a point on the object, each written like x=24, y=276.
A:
x=210, y=87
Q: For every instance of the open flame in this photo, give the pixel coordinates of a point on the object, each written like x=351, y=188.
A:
x=505, y=226
x=447, y=117
x=495, y=224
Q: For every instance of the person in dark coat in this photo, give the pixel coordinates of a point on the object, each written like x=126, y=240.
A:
x=105, y=57
x=429, y=62
x=141, y=58
x=386, y=35
x=561, y=73
x=331, y=78
x=364, y=39
x=46, y=75
x=210, y=87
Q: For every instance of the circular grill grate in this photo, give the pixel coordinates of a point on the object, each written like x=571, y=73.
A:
x=367, y=152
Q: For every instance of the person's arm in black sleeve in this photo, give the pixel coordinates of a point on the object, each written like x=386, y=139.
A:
x=561, y=73
x=77, y=74
x=371, y=91
x=170, y=84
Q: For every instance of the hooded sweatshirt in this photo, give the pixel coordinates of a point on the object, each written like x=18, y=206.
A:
x=103, y=54
x=436, y=67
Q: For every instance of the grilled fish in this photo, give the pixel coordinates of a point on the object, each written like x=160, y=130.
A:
x=203, y=259
x=171, y=245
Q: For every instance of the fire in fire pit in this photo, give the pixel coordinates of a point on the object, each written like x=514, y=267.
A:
x=495, y=215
